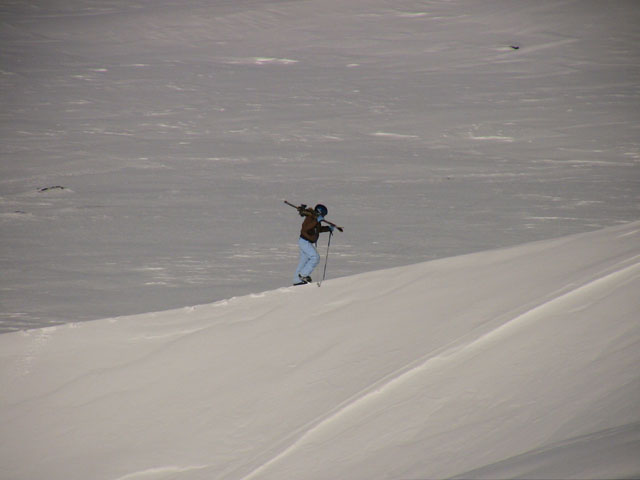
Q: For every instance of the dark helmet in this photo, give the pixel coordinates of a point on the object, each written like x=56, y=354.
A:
x=321, y=209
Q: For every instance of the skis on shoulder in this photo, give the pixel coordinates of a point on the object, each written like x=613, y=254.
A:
x=305, y=211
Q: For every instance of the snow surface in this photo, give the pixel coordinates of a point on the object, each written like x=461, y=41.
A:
x=145, y=150
x=520, y=362
x=176, y=128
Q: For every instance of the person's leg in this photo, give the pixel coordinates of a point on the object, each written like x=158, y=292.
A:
x=313, y=258
x=304, y=258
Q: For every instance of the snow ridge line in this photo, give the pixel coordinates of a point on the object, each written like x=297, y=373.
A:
x=447, y=353
x=154, y=472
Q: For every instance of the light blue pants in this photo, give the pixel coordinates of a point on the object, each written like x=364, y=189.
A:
x=309, y=259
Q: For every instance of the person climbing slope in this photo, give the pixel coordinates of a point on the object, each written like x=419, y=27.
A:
x=309, y=233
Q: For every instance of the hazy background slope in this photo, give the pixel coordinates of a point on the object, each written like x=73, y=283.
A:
x=177, y=127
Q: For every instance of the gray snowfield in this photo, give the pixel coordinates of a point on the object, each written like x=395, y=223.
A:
x=146, y=146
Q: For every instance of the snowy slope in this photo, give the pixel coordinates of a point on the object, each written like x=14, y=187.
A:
x=517, y=362
x=176, y=128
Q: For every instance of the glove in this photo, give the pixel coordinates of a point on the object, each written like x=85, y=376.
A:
x=319, y=218
x=331, y=228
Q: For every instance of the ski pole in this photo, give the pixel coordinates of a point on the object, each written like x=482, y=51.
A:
x=326, y=259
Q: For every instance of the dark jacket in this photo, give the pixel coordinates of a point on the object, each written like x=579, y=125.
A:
x=311, y=229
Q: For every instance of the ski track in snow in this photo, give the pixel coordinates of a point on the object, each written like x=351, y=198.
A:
x=606, y=281
x=160, y=472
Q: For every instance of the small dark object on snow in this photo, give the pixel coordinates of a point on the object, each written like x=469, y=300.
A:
x=515, y=47
x=56, y=187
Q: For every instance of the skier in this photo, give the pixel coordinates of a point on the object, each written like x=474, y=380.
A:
x=309, y=234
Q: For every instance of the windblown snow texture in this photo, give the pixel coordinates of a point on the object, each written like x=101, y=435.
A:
x=512, y=363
